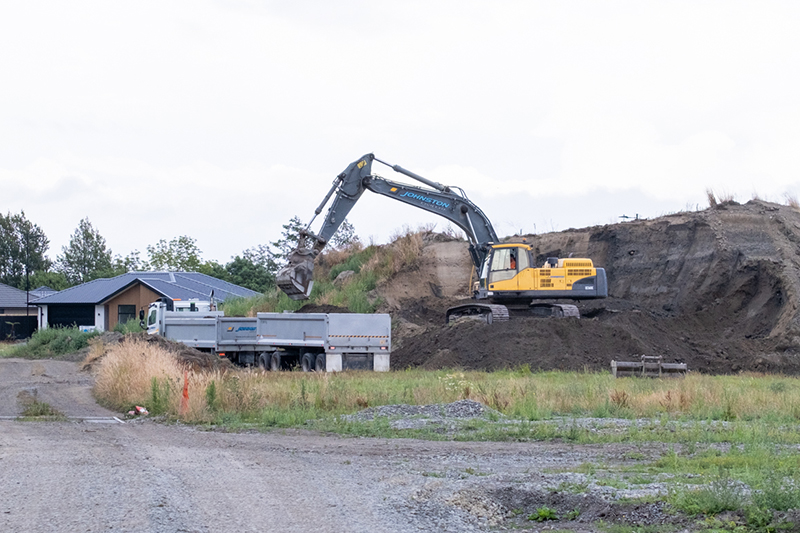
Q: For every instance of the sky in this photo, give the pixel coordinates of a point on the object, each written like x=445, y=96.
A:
x=221, y=120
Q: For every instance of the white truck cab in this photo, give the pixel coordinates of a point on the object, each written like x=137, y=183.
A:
x=155, y=313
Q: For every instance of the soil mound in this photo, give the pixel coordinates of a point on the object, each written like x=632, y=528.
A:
x=314, y=308
x=717, y=289
x=193, y=358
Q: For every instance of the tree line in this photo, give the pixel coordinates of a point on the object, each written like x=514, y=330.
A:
x=25, y=265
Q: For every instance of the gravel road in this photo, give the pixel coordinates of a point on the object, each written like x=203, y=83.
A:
x=143, y=476
x=58, y=383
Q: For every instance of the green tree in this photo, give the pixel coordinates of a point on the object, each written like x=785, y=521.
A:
x=263, y=256
x=213, y=269
x=55, y=280
x=290, y=236
x=86, y=257
x=130, y=263
x=22, y=248
x=245, y=272
x=344, y=236
x=179, y=254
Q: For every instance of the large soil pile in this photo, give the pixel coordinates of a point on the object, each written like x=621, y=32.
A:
x=717, y=289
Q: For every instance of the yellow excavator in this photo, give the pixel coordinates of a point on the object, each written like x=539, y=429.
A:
x=508, y=279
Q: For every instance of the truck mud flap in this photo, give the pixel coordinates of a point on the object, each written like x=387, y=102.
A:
x=357, y=361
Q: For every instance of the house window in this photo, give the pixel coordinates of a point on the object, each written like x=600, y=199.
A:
x=126, y=312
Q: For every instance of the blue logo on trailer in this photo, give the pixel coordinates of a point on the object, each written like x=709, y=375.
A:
x=246, y=328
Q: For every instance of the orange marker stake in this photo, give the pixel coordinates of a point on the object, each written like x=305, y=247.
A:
x=185, y=399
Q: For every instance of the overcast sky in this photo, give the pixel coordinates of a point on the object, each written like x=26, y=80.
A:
x=221, y=120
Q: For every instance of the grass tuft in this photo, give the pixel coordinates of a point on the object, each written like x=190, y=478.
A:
x=712, y=198
x=37, y=409
x=722, y=494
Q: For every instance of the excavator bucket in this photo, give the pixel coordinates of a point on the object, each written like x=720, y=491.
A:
x=297, y=278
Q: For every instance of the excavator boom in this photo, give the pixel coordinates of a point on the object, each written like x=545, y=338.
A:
x=296, y=278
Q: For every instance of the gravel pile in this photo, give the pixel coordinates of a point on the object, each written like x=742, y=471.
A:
x=459, y=409
x=442, y=418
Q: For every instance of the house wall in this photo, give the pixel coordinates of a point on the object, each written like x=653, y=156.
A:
x=138, y=295
x=100, y=318
x=43, y=317
x=17, y=311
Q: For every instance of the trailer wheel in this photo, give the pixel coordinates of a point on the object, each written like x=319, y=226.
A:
x=264, y=361
x=319, y=363
x=308, y=362
x=275, y=362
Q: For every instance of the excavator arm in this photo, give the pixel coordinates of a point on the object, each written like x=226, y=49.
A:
x=296, y=278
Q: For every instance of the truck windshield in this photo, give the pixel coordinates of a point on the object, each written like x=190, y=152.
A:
x=151, y=319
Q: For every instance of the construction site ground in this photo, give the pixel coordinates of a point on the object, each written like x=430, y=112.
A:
x=91, y=472
x=716, y=289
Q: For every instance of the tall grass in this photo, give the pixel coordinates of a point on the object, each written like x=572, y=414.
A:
x=126, y=377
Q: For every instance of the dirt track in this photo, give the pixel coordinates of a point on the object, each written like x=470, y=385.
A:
x=57, y=383
x=718, y=289
x=142, y=476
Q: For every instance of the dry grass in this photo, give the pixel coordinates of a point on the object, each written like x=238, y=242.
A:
x=136, y=373
x=722, y=198
x=405, y=250
x=712, y=199
x=97, y=349
x=125, y=375
x=791, y=200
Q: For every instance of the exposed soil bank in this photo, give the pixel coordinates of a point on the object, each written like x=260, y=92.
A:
x=717, y=289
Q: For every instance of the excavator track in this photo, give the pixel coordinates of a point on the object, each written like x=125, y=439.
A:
x=488, y=313
x=554, y=310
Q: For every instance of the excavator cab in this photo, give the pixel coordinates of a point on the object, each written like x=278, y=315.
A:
x=509, y=274
x=503, y=265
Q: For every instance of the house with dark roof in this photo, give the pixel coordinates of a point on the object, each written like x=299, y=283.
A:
x=104, y=303
x=41, y=292
x=17, y=316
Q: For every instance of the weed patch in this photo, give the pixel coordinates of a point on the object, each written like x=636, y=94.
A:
x=52, y=342
x=37, y=409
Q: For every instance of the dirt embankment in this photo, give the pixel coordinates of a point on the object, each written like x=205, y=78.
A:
x=717, y=289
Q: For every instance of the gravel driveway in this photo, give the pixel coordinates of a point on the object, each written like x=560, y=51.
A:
x=144, y=476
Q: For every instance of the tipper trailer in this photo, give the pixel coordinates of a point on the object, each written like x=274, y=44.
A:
x=313, y=341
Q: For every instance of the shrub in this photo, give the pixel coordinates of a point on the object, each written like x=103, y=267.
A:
x=52, y=342
x=778, y=493
x=722, y=494
x=131, y=326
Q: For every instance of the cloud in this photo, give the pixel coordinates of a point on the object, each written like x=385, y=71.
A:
x=222, y=120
